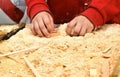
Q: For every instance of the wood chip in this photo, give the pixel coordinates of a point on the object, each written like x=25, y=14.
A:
x=10, y=58
x=116, y=71
x=54, y=33
x=108, y=49
x=105, y=68
x=20, y=51
x=35, y=72
x=93, y=73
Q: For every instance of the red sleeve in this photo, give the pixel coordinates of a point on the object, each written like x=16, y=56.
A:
x=36, y=6
x=102, y=11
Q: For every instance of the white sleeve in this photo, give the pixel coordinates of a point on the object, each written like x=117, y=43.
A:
x=4, y=19
x=19, y=4
x=25, y=18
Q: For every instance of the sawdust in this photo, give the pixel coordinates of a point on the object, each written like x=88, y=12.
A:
x=62, y=55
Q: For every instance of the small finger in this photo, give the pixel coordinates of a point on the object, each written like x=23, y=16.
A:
x=70, y=27
x=52, y=23
x=90, y=29
x=77, y=29
x=43, y=28
x=82, y=31
x=37, y=29
x=47, y=23
x=32, y=28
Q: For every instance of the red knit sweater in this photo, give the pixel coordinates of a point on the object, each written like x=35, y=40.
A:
x=98, y=12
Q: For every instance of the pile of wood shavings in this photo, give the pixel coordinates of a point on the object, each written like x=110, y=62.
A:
x=94, y=55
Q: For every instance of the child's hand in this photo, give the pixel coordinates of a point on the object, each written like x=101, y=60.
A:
x=42, y=24
x=80, y=25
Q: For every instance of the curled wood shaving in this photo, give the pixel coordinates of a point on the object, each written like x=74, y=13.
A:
x=35, y=72
x=108, y=49
x=54, y=33
x=20, y=51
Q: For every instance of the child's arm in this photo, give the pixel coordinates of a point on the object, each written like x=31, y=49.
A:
x=102, y=11
x=36, y=6
x=98, y=13
x=42, y=22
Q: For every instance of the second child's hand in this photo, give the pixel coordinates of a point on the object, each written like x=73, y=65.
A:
x=79, y=26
